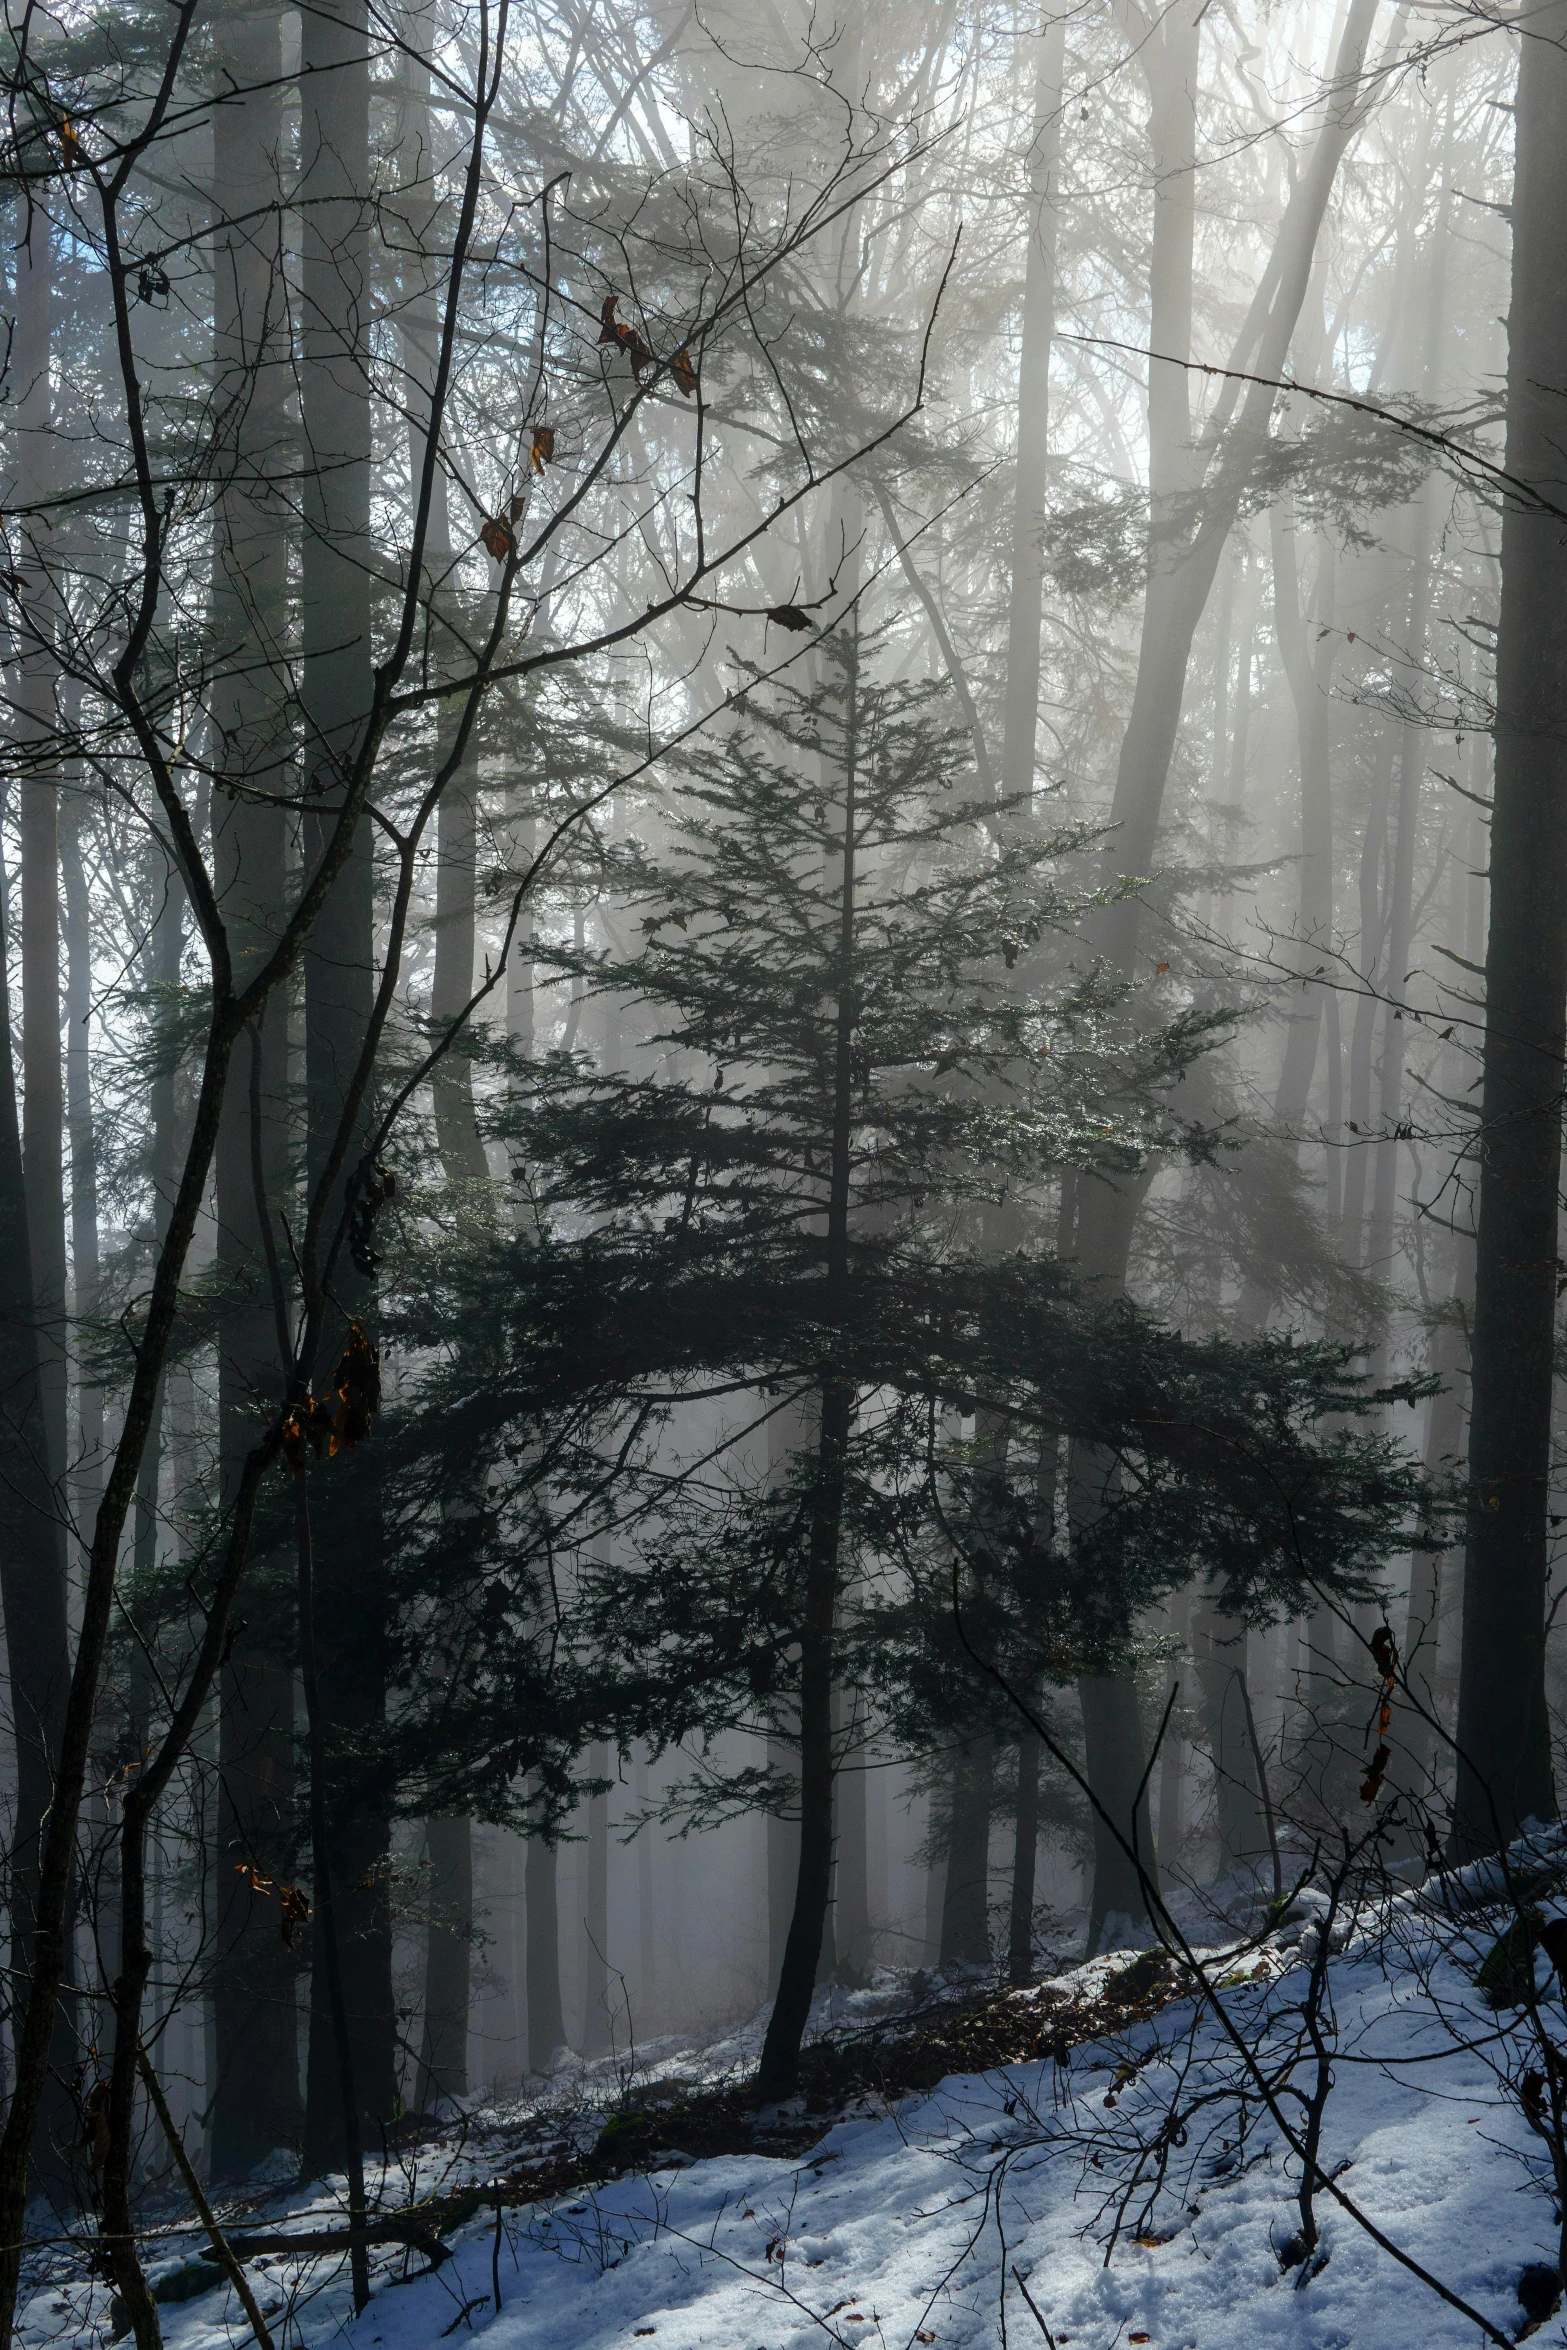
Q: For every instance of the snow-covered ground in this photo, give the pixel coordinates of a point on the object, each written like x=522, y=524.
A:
x=941, y=2219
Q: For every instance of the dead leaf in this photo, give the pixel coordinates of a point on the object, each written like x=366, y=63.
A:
x=684, y=373
x=790, y=616
x=542, y=447
x=1158, y=967
x=615, y=330
x=71, y=149
x=296, y=1910
x=498, y=537
x=357, y=1390
x=1371, y=1784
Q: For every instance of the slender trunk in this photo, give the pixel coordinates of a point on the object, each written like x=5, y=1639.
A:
x=84, y=1155
x=43, y=1090
x=1504, y=1770
x=647, y=1947
x=255, y=2105
x=1116, y=1748
x=1307, y=670
x=32, y=1576
x=1172, y=1760
x=965, y=1903
x=337, y=563
x=813, y=1887
x=329, y=1936
x=1025, y=1856
x=546, y=2019
x=1373, y=970
x=596, y=2033
x=36, y=1403
x=443, y=2054
x=1025, y=610
x=1219, y=1647
x=851, y=1911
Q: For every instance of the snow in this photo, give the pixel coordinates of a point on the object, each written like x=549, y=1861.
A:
x=914, y=2223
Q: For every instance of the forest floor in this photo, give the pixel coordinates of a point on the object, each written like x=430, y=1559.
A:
x=1084, y=2164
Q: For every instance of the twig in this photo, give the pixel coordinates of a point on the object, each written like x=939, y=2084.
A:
x=1034, y=2306
x=204, y=2211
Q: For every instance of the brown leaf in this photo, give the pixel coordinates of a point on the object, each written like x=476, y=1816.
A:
x=1371, y=1784
x=357, y=1391
x=1553, y=1941
x=71, y=149
x=1158, y=967
x=615, y=330
x=296, y=1910
x=542, y=447
x=252, y=1876
x=684, y=373
x=790, y=616
x=498, y=537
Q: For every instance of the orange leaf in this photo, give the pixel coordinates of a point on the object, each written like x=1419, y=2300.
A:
x=498, y=537
x=1158, y=967
x=542, y=448
x=684, y=373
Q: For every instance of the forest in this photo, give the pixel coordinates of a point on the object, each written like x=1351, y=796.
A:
x=781, y=1068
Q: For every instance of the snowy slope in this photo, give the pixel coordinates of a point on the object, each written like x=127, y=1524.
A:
x=913, y=2226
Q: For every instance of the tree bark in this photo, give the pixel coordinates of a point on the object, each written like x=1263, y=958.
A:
x=448, y=1963
x=546, y=2019
x=596, y=2033
x=813, y=1887
x=965, y=1902
x=1020, y=715
x=255, y=2104
x=336, y=691
x=32, y=1588
x=1504, y=1768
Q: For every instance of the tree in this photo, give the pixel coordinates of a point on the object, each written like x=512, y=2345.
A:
x=1504, y=1758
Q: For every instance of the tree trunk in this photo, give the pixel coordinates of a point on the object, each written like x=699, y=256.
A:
x=596, y=2033
x=813, y=1887
x=38, y=720
x=84, y=1156
x=337, y=563
x=255, y=2092
x=546, y=2019
x=1116, y=1751
x=1504, y=1770
x=965, y=1903
x=1020, y=715
x=1308, y=670
x=1025, y=1858
x=443, y=2053
x=1219, y=1647
x=32, y=1591
x=851, y=1889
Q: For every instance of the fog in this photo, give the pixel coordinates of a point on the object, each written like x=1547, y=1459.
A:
x=785, y=894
